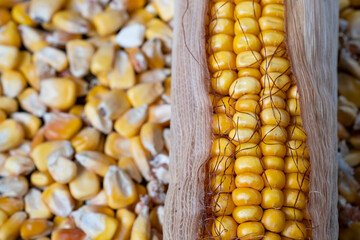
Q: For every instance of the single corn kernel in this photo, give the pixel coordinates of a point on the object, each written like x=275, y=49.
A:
x=52, y=56
x=77, y=110
x=32, y=39
x=142, y=227
x=62, y=170
x=243, y=214
x=222, y=80
x=160, y=113
x=224, y=227
x=131, y=36
x=273, y=148
x=11, y=228
x=273, y=162
x=35, y=228
x=9, y=35
x=294, y=230
x=119, y=188
x=272, y=198
x=243, y=86
x=250, y=180
x=128, y=165
x=13, y=134
x=109, y=21
x=99, y=199
x=30, y=123
x=87, y=139
x=34, y=205
x=141, y=157
x=155, y=28
x=117, y=146
x=22, y=150
x=129, y=124
x=247, y=105
x=13, y=83
x=222, y=147
x=97, y=226
x=5, y=16
x=222, y=204
x=14, y=186
x=30, y=101
x=250, y=230
x=20, y=14
x=9, y=56
x=114, y=104
x=223, y=60
x=297, y=181
x=11, y=205
x=274, y=178
x=97, y=120
x=154, y=57
x=79, y=53
x=96, y=162
x=41, y=11
x=221, y=165
x=58, y=93
x=46, y=151
x=165, y=9
x=3, y=217
x=61, y=126
x=19, y=165
x=248, y=149
x=41, y=179
x=151, y=138
x=294, y=198
x=68, y=234
x=102, y=59
x=293, y=214
x=63, y=222
x=122, y=75
x=85, y=185
x=272, y=236
x=126, y=220
x=70, y=22
x=8, y=105
x=144, y=93
x=245, y=164
x=59, y=200
x=273, y=220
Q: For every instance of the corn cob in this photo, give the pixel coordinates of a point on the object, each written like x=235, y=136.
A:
x=259, y=163
x=84, y=118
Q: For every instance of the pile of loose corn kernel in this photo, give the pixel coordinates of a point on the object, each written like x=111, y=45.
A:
x=349, y=120
x=259, y=167
x=84, y=118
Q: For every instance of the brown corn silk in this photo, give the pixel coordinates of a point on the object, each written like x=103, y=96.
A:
x=311, y=29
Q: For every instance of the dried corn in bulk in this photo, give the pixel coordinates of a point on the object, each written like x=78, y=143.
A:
x=84, y=118
x=348, y=121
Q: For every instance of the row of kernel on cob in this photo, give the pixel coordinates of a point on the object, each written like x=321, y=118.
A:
x=259, y=166
x=84, y=118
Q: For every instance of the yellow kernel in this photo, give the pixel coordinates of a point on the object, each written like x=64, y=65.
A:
x=247, y=213
x=222, y=147
x=12, y=134
x=272, y=198
x=250, y=230
x=273, y=220
x=248, y=164
x=246, y=197
x=224, y=227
